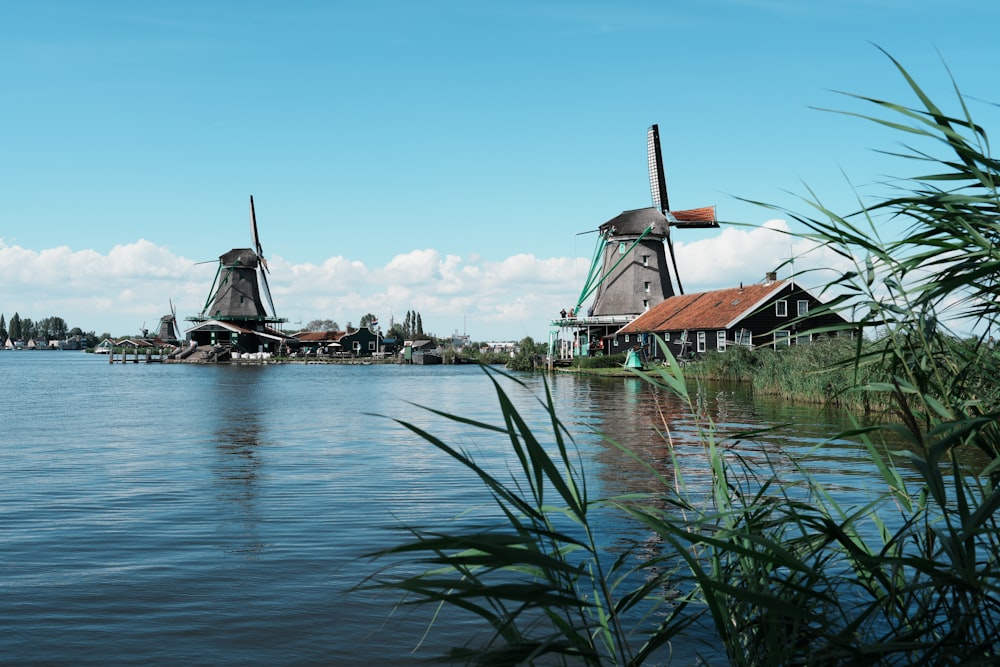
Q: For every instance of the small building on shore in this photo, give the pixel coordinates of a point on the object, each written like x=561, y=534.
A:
x=773, y=313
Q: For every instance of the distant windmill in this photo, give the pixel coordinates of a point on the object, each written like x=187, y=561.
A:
x=235, y=314
x=169, y=331
x=630, y=273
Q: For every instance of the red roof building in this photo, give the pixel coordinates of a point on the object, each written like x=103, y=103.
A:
x=772, y=313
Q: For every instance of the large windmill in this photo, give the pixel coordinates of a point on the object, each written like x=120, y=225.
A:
x=235, y=315
x=631, y=273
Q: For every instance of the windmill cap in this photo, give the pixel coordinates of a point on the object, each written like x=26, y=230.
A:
x=241, y=256
x=635, y=222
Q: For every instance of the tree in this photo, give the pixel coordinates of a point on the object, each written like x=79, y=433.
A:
x=3, y=329
x=419, y=326
x=322, y=325
x=15, y=327
x=366, y=320
x=396, y=331
x=51, y=328
x=528, y=352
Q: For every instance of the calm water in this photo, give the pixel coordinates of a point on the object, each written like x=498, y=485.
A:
x=219, y=515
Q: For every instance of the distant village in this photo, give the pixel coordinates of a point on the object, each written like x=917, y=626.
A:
x=319, y=340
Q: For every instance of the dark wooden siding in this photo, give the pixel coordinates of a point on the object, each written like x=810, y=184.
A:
x=762, y=324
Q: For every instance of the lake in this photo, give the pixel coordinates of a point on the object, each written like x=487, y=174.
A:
x=219, y=515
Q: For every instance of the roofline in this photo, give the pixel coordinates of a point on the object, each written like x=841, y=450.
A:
x=780, y=285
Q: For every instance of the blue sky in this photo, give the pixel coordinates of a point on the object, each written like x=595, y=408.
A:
x=439, y=156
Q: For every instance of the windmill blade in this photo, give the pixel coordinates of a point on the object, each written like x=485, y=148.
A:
x=173, y=314
x=673, y=260
x=657, y=181
x=256, y=237
x=267, y=290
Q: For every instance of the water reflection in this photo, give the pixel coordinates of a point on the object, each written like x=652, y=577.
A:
x=240, y=411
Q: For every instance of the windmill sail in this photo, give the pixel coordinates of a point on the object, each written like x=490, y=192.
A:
x=657, y=181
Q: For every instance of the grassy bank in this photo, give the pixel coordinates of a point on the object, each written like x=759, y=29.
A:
x=822, y=371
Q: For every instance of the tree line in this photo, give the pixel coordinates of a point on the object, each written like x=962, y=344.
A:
x=47, y=328
x=410, y=328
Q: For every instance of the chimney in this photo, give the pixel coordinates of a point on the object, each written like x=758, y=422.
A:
x=770, y=277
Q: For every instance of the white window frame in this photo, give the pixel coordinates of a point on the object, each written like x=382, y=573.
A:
x=720, y=340
x=744, y=337
x=802, y=307
x=781, y=308
x=702, y=341
x=782, y=338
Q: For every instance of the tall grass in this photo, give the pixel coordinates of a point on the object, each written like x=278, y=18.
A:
x=813, y=372
x=782, y=572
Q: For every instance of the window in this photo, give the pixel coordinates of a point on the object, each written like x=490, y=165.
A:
x=782, y=338
x=626, y=338
x=371, y=346
x=803, y=307
x=781, y=308
x=645, y=261
x=720, y=341
x=701, y=341
x=616, y=342
x=744, y=338
x=645, y=287
x=645, y=305
x=666, y=337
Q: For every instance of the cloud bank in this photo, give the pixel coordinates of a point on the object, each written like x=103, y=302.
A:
x=134, y=284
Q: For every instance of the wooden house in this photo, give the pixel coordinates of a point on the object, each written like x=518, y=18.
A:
x=361, y=342
x=773, y=313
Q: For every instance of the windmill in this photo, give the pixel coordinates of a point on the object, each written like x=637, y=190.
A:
x=630, y=271
x=240, y=280
x=239, y=311
x=169, y=331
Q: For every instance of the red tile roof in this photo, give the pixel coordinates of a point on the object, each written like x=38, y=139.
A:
x=717, y=309
x=318, y=336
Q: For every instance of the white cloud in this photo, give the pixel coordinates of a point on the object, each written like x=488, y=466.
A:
x=506, y=299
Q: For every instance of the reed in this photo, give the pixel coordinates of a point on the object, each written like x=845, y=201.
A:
x=820, y=372
x=782, y=572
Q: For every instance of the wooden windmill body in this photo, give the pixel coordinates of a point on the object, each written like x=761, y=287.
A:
x=638, y=252
x=239, y=312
